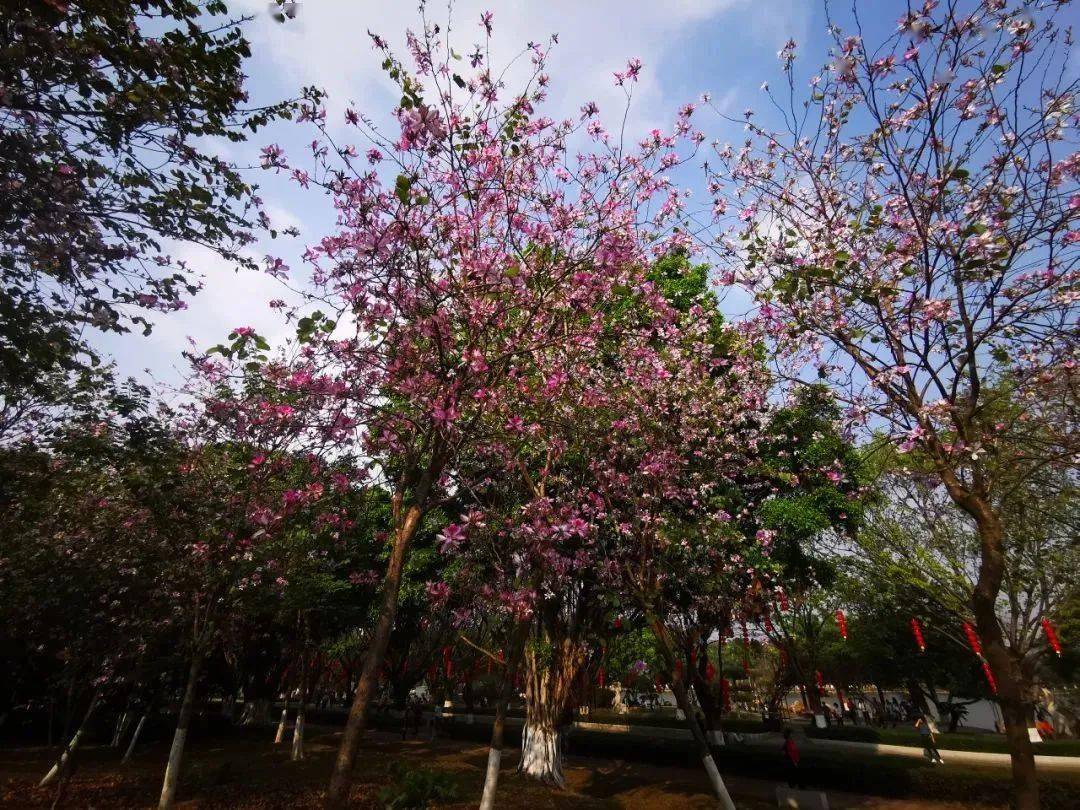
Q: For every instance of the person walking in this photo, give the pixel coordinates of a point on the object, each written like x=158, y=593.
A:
x=926, y=730
x=791, y=761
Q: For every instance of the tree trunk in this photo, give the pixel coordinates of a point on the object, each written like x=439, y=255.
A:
x=341, y=779
x=134, y=738
x=1009, y=679
x=683, y=701
x=881, y=703
x=183, y=723
x=282, y=723
x=298, y=733
x=506, y=690
x=549, y=686
x=64, y=761
x=118, y=731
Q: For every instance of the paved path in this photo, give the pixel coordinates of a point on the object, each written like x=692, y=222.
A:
x=1057, y=764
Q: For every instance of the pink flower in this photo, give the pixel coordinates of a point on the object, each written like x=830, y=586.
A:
x=451, y=538
x=438, y=593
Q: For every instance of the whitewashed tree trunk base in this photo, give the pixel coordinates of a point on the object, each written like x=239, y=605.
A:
x=298, y=736
x=491, y=779
x=281, y=726
x=134, y=738
x=542, y=756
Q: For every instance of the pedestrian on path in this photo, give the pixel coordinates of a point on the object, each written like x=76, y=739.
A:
x=791, y=761
x=926, y=730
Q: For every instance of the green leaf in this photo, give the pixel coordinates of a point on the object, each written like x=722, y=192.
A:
x=401, y=188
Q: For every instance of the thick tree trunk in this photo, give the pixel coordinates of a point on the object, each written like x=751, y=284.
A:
x=542, y=752
x=64, y=761
x=134, y=738
x=341, y=779
x=549, y=686
x=183, y=723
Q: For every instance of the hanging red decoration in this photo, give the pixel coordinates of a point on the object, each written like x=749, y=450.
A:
x=841, y=622
x=989, y=677
x=1051, y=637
x=600, y=678
x=710, y=672
x=916, y=630
x=820, y=680
x=725, y=694
x=973, y=639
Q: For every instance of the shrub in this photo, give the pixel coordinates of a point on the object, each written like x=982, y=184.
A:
x=415, y=789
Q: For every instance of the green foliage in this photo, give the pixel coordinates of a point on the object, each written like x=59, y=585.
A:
x=417, y=788
x=110, y=107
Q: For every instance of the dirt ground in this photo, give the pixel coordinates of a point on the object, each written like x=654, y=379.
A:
x=250, y=772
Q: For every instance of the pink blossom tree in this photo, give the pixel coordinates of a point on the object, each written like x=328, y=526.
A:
x=911, y=232
x=474, y=246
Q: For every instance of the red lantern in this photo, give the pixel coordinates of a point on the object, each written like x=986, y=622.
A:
x=725, y=694
x=916, y=631
x=989, y=677
x=820, y=680
x=973, y=639
x=1051, y=637
x=841, y=622
x=710, y=672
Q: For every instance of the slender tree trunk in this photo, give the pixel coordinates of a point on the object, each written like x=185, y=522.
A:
x=1014, y=706
x=881, y=703
x=683, y=701
x=134, y=738
x=298, y=732
x=183, y=723
x=64, y=760
x=506, y=690
x=341, y=779
x=283, y=722
x=118, y=731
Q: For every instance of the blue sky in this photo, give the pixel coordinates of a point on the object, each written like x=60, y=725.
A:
x=726, y=47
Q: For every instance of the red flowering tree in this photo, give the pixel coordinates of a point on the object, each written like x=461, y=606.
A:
x=912, y=233
x=474, y=247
